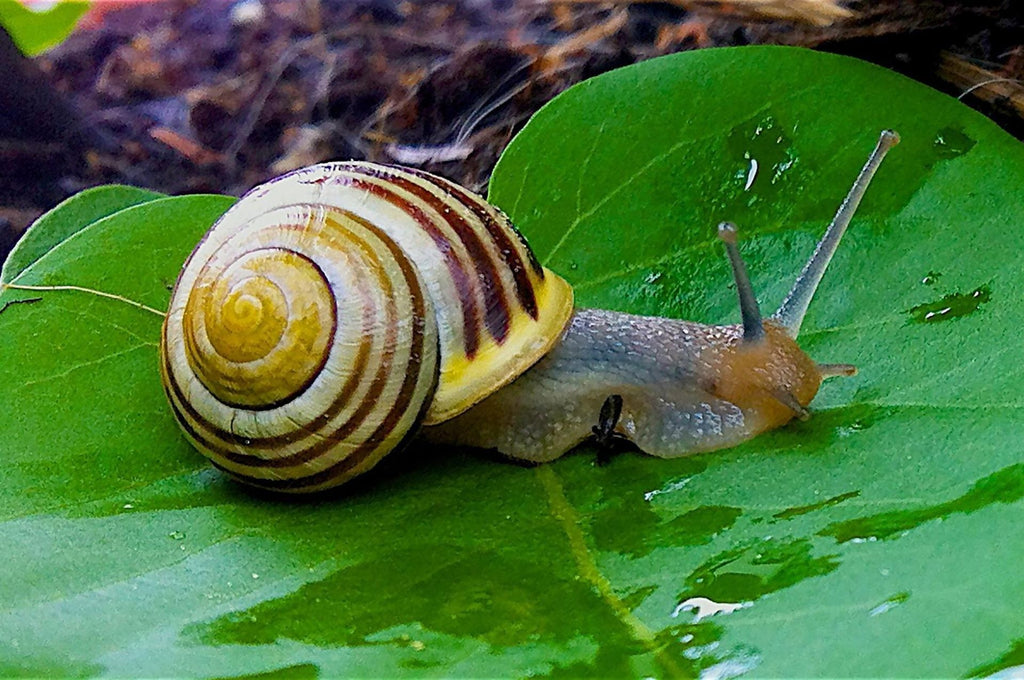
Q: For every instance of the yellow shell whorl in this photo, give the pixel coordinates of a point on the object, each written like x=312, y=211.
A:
x=334, y=309
x=258, y=328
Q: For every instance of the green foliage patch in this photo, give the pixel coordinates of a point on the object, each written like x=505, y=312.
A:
x=35, y=31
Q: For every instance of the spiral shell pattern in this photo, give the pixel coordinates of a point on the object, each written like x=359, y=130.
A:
x=333, y=310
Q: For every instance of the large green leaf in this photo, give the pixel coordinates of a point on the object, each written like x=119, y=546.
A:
x=78, y=212
x=879, y=538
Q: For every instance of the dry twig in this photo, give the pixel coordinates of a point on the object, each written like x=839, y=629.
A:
x=814, y=12
x=981, y=83
x=582, y=40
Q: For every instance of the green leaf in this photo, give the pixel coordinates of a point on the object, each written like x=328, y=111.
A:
x=878, y=538
x=76, y=213
x=35, y=31
x=897, y=500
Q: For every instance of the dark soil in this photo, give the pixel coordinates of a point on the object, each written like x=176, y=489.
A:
x=216, y=96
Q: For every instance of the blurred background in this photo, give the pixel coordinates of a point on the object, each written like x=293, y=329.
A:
x=218, y=95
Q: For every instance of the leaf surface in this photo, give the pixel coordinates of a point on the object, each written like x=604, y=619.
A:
x=878, y=538
x=76, y=213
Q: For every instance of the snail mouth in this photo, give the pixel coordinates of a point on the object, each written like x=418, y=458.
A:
x=258, y=331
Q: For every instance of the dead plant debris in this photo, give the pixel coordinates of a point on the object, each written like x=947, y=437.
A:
x=219, y=95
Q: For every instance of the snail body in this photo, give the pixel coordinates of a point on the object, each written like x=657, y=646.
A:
x=336, y=311
x=685, y=388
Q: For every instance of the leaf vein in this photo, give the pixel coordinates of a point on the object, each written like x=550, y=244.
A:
x=77, y=367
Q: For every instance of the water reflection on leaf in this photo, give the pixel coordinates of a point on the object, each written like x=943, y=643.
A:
x=1005, y=486
x=482, y=594
x=750, y=572
x=827, y=503
x=1014, y=658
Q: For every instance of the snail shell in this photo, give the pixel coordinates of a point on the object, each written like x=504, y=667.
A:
x=333, y=310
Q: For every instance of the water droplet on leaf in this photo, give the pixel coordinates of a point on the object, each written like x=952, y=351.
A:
x=763, y=152
x=889, y=604
x=704, y=607
x=951, y=142
x=952, y=306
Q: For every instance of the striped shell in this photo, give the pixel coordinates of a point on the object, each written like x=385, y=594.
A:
x=333, y=310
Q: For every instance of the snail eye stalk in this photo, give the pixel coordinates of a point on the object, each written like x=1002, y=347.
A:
x=794, y=307
x=753, y=329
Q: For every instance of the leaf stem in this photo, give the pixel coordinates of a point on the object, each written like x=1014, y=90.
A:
x=81, y=289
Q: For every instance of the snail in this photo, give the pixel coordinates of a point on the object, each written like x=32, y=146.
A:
x=335, y=312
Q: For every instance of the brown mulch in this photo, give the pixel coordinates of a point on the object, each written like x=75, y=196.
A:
x=216, y=96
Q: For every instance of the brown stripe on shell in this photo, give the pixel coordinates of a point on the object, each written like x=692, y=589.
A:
x=277, y=441
x=499, y=236
x=493, y=225
x=398, y=409
x=262, y=443
x=360, y=454
x=309, y=453
x=497, y=314
x=538, y=268
x=463, y=281
x=339, y=469
x=361, y=358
